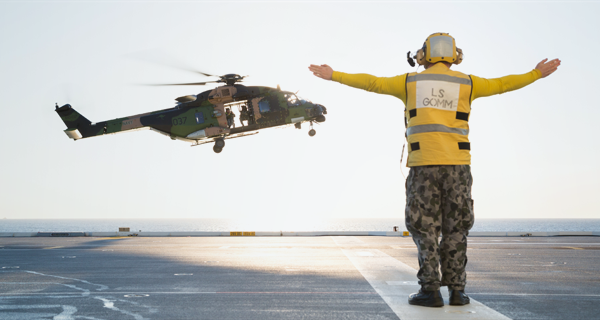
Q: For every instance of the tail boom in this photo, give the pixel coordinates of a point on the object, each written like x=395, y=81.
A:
x=79, y=127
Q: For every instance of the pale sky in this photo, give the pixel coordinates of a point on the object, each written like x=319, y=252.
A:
x=535, y=151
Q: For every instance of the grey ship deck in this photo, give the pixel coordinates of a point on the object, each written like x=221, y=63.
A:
x=327, y=277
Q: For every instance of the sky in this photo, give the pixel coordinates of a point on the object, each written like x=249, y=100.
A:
x=535, y=151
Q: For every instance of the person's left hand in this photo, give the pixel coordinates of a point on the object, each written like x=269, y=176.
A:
x=547, y=68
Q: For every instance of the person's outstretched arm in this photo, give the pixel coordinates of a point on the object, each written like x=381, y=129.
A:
x=394, y=86
x=486, y=87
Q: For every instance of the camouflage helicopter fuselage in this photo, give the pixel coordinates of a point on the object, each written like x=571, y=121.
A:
x=201, y=119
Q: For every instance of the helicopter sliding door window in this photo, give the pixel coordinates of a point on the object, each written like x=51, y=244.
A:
x=263, y=105
x=199, y=117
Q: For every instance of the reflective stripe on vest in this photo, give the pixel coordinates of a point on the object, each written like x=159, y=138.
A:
x=435, y=128
x=438, y=77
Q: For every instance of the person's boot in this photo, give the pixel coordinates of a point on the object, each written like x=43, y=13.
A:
x=458, y=297
x=426, y=298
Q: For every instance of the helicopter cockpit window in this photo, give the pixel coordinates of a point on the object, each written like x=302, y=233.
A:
x=302, y=100
x=294, y=101
x=263, y=105
x=199, y=117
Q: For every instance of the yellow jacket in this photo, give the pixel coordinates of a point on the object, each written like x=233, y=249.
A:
x=428, y=144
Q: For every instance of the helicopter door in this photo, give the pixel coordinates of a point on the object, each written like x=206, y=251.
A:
x=254, y=105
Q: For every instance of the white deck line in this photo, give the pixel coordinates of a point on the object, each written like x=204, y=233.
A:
x=394, y=281
x=298, y=234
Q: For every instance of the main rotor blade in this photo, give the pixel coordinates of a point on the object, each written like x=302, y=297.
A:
x=182, y=84
x=206, y=74
x=165, y=60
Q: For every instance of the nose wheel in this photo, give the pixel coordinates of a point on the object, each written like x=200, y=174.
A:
x=312, y=131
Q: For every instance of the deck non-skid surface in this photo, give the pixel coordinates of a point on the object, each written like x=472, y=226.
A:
x=333, y=277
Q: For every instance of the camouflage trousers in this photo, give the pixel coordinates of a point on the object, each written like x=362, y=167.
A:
x=438, y=199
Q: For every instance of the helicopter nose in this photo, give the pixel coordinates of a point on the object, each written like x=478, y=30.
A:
x=321, y=109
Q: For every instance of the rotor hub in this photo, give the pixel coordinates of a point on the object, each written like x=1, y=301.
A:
x=231, y=79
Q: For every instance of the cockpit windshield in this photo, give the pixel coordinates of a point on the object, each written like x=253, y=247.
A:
x=302, y=100
x=294, y=101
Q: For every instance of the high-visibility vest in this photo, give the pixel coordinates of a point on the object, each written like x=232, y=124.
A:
x=437, y=113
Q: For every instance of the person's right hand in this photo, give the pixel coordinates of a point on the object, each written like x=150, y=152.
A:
x=323, y=71
x=547, y=68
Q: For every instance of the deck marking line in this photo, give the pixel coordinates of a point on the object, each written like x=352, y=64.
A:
x=104, y=293
x=30, y=295
x=29, y=307
x=102, y=287
x=110, y=304
x=67, y=313
x=380, y=268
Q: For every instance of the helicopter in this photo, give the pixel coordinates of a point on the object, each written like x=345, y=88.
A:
x=201, y=119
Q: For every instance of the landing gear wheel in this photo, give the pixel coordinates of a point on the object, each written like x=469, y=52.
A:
x=219, y=143
x=312, y=132
x=217, y=149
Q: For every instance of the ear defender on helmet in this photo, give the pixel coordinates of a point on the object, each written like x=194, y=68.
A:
x=439, y=47
x=459, y=56
x=410, y=59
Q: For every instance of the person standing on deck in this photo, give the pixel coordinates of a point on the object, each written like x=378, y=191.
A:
x=438, y=188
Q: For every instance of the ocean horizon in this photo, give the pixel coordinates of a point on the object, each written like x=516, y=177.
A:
x=244, y=224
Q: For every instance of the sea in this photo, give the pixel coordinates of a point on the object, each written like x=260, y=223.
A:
x=363, y=224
